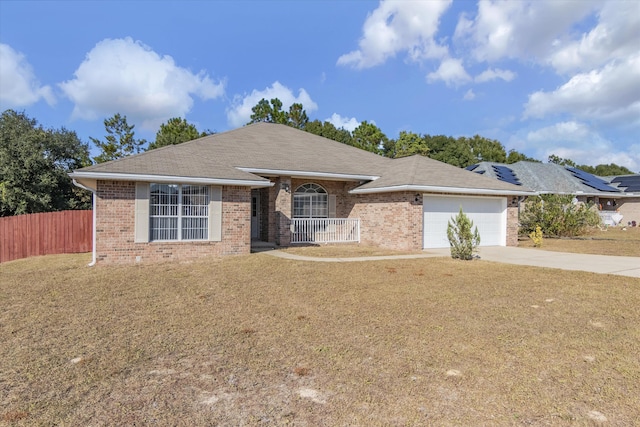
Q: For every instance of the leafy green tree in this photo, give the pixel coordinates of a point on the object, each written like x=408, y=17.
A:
x=465, y=151
x=408, y=144
x=119, y=142
x=464, y=240
x=560, y=161
x=557, y=216
x=606, y=170
x=176, y=131
x=600, y=170
x=34, y=163
x=369, y=137
x=449, y=150
x=514, y=156
x=485, y=149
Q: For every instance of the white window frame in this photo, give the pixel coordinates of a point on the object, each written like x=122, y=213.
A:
x=314, y=199
x=182, y=213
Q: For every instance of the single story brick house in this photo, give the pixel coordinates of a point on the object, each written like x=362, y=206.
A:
x=617, y=197
x=273, y=183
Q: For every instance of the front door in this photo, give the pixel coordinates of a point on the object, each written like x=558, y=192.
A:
x=255, y=216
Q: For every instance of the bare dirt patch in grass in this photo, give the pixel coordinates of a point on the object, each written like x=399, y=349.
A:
x=258, y=340
x=612, y=241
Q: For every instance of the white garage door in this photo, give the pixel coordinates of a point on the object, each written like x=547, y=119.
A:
x=489, y=214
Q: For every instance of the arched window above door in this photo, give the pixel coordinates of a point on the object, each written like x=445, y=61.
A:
x=310, y=201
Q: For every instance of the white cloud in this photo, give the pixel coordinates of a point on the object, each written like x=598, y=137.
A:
x=18, y=84
x=609, y=94
x=128, y=77
x=469, y=95
x=399, y=26
x=240, y=112
x=493, y=74
x=581, y=143
x=617, y=35
x=343, y=122
x=451, y=72
x=519, y=29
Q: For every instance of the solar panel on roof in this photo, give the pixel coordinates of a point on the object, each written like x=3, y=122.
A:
x=630, y=184
x=591, y=180
x=506, y=174
x=471, y=167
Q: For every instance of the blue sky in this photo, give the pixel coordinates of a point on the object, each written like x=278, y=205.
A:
x=540, y=76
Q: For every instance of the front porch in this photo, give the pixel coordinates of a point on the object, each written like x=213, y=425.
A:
x=298, y=211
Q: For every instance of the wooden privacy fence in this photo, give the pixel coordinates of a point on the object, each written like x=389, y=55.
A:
x=63, y=232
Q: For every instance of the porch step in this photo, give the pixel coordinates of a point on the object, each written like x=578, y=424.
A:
x=260, y=246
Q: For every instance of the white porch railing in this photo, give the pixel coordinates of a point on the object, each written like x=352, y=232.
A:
x=325, y=230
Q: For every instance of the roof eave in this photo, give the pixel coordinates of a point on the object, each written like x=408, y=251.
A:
x=438, y=189
x=582, y=193
x=111, y=176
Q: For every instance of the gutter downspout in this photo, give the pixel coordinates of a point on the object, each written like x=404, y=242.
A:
x=93, y=231
x=520, y=200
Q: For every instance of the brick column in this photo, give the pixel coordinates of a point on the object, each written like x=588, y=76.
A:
x=513, y=226
x=283, y=210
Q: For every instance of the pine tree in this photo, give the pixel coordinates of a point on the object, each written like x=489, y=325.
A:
x=464, y=243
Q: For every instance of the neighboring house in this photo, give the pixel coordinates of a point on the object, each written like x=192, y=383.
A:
x=273, y=183
x=617, y=198
x=629, y=206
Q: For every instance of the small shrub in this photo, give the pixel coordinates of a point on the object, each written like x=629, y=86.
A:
x=536, y=236
x=464, y=243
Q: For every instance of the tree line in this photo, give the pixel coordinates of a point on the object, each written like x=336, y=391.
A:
x=462, y=151
x=35, y=162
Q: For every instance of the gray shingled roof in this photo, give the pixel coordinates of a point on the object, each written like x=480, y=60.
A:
x=235, y=154
x=418, y=171
x=255, y=146
x=542, y=177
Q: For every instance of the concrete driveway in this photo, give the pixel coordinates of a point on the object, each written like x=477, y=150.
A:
x=620, y=265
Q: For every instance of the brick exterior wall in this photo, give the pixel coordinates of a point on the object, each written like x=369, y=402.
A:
x=513, y=224
x=283, y=207
x=389, y=220
x=115, y=227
